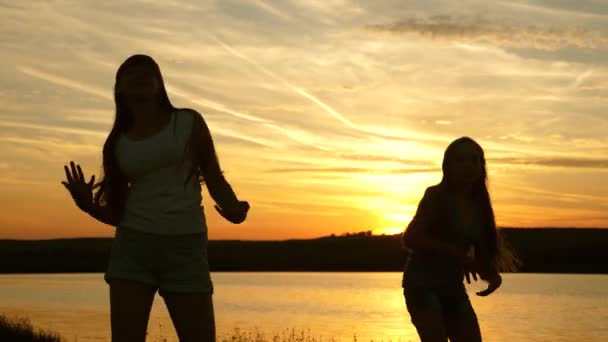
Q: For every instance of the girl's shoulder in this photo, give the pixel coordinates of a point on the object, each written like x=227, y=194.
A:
x=189, y=117
x=436, y=196
x=194, y=117
x=435, y=191
x=188, y=112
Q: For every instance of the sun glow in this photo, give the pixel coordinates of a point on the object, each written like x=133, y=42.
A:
x=395, y=222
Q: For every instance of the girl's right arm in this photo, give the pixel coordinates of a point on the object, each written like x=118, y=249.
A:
x=417, y=238
x=102, y=214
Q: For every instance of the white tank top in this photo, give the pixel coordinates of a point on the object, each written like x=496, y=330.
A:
x=158, y=201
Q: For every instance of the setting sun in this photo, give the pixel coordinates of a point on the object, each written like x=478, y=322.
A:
x=395, y=222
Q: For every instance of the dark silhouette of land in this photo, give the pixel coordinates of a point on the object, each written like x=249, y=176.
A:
x=543, y=250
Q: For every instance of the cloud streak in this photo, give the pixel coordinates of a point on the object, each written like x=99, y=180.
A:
x=290, y=86
x=213, y=105
x=399, y=171
x=265, y=6
x=566, y=162
x=479, y=29
x=66, y=82
x=325, y=107
x=79, y=131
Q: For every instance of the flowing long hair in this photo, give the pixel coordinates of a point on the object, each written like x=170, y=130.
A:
x=113, y=186
x=500, y=253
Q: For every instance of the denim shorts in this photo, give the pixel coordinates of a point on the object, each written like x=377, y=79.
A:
x=169, y=263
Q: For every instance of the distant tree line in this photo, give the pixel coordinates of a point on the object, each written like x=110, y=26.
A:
x=551, y=250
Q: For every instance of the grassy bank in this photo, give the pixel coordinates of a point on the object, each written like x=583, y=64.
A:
x=21, y=330
x=287, y=335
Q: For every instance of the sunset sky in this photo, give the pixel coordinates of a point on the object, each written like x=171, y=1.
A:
x=329, y=116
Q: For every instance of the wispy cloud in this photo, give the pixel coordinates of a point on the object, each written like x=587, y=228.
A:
x=500, y=32
x=581, y=9
x=400, y=171
x=56, y=129
x=547, y=195
x=296, y=89
x=307, y=95
x=595, y=163
x=232, y=134
x=265, y=6
x=51, y=145
x=66, y=82
x=21, y=181
x=382, y=158
x=299, y=136
x=213, y=104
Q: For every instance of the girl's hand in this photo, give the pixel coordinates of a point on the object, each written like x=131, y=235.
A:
x=494, y=281
x=469, y=265
x=470, y=271
x=235, y=215
x=82, y=193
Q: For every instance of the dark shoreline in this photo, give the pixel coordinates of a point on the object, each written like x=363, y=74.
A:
x=542, y=250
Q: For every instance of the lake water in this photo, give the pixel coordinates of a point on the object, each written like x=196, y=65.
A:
x=326, y=306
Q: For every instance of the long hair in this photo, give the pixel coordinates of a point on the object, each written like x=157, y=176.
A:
x=500, y=253
x=113, y=186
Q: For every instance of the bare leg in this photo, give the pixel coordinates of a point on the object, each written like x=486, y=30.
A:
x=462, y=325
x=192, y=316
x=130, y=304
x=427, y=316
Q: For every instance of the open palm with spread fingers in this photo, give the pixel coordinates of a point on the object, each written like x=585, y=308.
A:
x=81, y=191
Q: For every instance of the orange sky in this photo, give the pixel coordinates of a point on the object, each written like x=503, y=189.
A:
x=329, y=116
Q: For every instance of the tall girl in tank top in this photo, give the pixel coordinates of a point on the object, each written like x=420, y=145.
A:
x=154, y=160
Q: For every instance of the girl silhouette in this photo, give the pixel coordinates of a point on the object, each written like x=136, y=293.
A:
x=154, y=161
x=452, y=236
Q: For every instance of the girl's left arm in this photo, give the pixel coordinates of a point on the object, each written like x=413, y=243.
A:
x=486, y=268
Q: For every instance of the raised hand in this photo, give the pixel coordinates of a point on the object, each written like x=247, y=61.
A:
x=81, y=192
x=236, y=214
